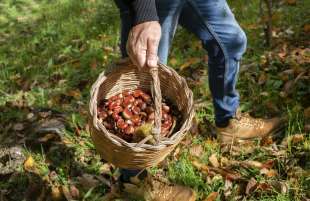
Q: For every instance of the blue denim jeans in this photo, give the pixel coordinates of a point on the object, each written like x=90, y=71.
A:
x=214, y=24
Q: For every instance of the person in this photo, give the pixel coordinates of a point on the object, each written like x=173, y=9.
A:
x=147, y=30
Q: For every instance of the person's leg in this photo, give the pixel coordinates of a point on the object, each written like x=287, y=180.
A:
x=213, y=22
x=168, y=13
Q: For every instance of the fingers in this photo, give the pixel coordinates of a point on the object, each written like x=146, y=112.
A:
x=142, y=44
x=152, y=47
x=136, y=49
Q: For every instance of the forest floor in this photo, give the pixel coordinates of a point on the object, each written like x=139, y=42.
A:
x=52, y=51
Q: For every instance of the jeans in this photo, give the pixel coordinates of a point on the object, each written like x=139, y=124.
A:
x=214, y=24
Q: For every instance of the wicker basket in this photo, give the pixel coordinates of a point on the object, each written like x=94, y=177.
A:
x=126, y=76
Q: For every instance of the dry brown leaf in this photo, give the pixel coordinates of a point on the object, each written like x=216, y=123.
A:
x=307, y=28
x=307, y=127
x=56, y=193
x=291, y=2
x=228, y=188
x=18, y=127
x=196, y=150
x=251, y=186
x=200, y=166
x=88, y=181
x=289, y=86
x=66, y=193
x=262, y=78
x=280, y=187
x=75, y=93
x=213, y=160
x=105, y=168
x=173, y=61
x=189, y=62
x=29, y=164
x=307, y=113
x=293, y=139
x=268, y=173
x=47, y=137
x=212, y=196
x=74, y=191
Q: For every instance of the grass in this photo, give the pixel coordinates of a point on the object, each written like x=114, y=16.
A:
x=51, y=53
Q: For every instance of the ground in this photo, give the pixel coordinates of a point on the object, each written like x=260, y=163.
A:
x=52, y=51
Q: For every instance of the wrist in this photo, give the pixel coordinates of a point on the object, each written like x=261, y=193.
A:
x=145, y=10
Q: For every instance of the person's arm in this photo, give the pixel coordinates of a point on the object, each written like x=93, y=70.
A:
x=145, y=11
x=144, y=37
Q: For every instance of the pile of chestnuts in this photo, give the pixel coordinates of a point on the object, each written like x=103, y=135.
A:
x=123, y=114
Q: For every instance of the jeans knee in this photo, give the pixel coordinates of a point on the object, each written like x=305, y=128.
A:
x=237, y=44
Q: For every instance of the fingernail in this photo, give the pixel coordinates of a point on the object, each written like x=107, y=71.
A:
x=152, y=63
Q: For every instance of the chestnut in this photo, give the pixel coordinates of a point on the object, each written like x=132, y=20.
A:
x=112, y=105
x=103, y=115
x=135, y=119
x=107, y=125
x=129, y=99
x=137, y=93
x=126, y=93
x=113, y=98
x=116, y=116
x=110, y=112
x=149, y=109
x=138, y=102
x=121, y=124
x=129, y=122
x=118, y=109
x=146, y=97
x=135, y=110
x=129, y=130
x=165, y=108
x=151, y=116
x=126, y=113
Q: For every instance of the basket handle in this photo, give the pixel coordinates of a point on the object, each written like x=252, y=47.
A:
x=156, y=94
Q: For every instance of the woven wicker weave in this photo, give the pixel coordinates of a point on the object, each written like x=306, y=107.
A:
x=126, y=76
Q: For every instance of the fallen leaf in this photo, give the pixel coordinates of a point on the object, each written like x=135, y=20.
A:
x=56, y=193
x=262, y=78
x=75, y=93
x=18, y=127
x=307, y=113
x=47, y=137
x=173, y=61
x=66, y=193
x=289, y=86
x=228, y=188
x=213, y=160
x=88, y=181
x=268, y=173
x=279, y=186
x=196, y=150
x=212, y=196
x=251, y=186
x=74, y=191
x=291, y=2
x=105, y=168
x=293, y=139
x=29, y=164
x=189, y=62
x=307, y=127
x=307, y=28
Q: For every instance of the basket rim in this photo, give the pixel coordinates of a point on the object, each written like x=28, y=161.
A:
x=118, y=140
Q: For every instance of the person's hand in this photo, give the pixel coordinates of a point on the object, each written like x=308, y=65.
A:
x=142, y=44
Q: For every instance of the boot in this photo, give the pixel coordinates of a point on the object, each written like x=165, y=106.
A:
x=244, y=127
x=152, y=189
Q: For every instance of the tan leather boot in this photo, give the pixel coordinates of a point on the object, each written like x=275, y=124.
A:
x=155, y=190
x=244, y=127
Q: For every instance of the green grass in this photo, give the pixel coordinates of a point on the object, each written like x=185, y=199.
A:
x=52, y=51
